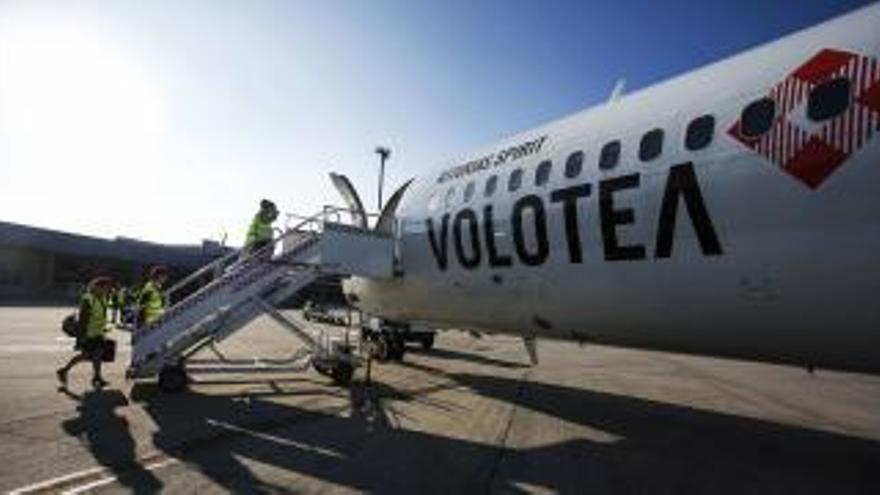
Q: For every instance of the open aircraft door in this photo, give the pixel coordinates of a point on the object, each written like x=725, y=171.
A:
x=351, y=198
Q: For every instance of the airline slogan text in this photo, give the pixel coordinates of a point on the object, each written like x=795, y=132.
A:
x=507, y=155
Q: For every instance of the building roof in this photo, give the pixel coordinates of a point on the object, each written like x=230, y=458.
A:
x=120, y=248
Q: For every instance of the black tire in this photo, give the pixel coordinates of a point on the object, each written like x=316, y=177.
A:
x=428, y=342
x=173, y=379
x=342, y=374
x=397, y=348
x=321, y=369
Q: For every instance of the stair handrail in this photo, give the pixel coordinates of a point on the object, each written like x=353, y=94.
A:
x=213, y=266
x=318, y=219
x=312, y=226
x=330, y=214
x=217, y=266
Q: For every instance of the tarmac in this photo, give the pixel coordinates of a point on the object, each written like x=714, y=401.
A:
x=470, y=416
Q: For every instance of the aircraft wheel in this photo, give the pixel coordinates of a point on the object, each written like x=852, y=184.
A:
x=400, y=350
x=397, y=348
x=173, y=379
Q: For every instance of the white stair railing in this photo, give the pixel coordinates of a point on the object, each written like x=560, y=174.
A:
x=226, y=285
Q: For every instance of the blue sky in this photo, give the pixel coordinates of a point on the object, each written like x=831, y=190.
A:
x=169, y=120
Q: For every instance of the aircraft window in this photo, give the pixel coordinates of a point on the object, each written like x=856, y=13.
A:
x=450, y=197
x=469, y=191
x=515, y=180
x=758, y=117
x=542, y=173
x=491, y=186
x=700, y=132
x=610, y=155
x=574, y=164
x=829, y=99
x=651, y=146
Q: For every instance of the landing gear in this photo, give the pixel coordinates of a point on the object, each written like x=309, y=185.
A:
x=173, y=379
x=385, y=345
x=388, y=342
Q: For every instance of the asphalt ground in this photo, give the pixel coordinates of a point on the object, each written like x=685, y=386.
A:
x=469, y=416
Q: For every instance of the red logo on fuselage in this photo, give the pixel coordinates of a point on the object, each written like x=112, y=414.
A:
x=812, y=151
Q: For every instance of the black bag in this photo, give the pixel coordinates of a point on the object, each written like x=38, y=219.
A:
x=71, y=327
x=108, y=351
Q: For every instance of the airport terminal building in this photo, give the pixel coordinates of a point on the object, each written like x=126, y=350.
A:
x=41, y=265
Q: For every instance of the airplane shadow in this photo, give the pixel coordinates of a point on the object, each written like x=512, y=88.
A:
x=442, y=353
x=108, y=438
x=648, y=447
x=663, y=447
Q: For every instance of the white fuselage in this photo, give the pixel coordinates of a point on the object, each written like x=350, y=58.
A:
x=765, y=247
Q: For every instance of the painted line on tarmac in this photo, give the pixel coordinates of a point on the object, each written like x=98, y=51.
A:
x=88, y=479
x=275, y=439
x=26, y=324
x=85, y=480
x=47, y=485
x=113, y=478
x=33, y=348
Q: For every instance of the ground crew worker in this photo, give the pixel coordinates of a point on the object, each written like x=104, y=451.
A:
x=117, y=303
x=259, y=234
x=150, y=303
x=92, y=320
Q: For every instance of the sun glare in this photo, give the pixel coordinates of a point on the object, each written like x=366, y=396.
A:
x=68, y=97
x=77, y=115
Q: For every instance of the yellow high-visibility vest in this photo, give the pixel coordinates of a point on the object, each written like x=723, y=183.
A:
x=151, y=302
x=260, y=230
x=97, y=326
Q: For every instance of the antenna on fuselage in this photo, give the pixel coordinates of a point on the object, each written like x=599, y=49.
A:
x=617, y=92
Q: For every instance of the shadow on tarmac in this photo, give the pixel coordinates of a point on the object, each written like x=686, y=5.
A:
x=671, y=448
x=653, y=447
x=108, y=438
x=441, y=353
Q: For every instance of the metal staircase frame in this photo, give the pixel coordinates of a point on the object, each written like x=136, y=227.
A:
x=224, y=296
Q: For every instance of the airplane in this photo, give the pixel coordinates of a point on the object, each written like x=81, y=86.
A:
x=733, y=211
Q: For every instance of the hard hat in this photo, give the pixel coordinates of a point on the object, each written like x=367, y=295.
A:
x=100, y=282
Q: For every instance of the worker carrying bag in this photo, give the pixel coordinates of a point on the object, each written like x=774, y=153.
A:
x=71, y=327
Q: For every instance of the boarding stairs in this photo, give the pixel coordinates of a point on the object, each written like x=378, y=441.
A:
x=224, y=296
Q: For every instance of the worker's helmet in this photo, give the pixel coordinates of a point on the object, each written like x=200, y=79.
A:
x=269, y=209
x=101, y=282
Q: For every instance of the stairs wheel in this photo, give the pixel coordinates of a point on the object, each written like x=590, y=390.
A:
x=322, y=368
x=173, y=379
x=342, y=373
x=428, y=342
